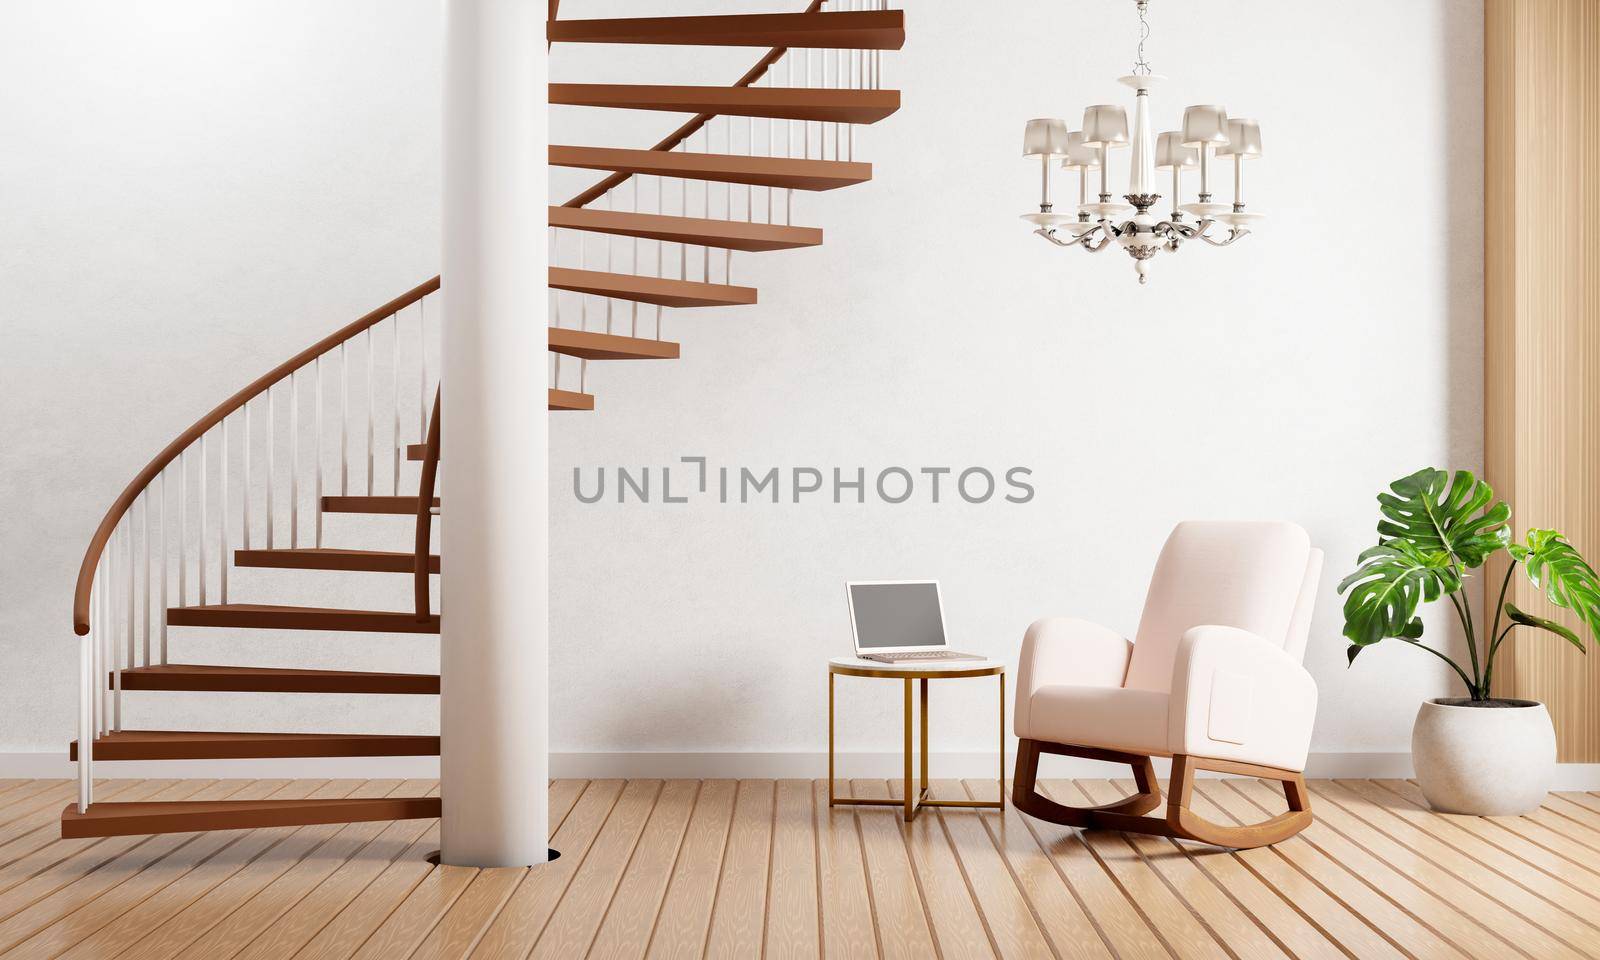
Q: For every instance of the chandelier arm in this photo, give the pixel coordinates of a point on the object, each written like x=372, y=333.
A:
x=1080, y=241
x=1233, y=235
x=1107, y=235
x=1051, y=236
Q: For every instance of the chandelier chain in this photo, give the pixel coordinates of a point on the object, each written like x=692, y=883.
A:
x=1140, y=66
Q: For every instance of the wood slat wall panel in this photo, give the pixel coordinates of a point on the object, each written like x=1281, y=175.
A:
x=1542, y=320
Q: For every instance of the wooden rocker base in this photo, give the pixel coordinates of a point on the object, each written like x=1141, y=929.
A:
x=1180, y=821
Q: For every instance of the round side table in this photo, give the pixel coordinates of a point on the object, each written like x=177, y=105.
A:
x=914, y=800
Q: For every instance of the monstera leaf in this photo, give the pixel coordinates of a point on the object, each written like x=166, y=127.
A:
x=1567, y=580
x=1529, y=620
x=1436, y=512
x=1395, y=577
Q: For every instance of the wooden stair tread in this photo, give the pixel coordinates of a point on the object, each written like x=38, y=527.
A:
x=593, y=345
x=114, y=819
x=377, y=504
x=570, y=400
x=193, y=745
x=842, y=30
x=271, y=616
x=231, y=679
x=660, y=291
x=778, y=103
x=328, y=558
x=720, y=167
x=696, y=231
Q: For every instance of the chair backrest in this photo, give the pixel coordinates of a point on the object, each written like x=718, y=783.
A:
x=1253, y=575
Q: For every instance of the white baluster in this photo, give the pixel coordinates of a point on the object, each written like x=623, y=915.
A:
x=394, y=381
x=144, y=498
x=855, y=70
x=344, y=421
x=422, y=371
x=661, y=188
x=200, y=540
x=372, y=402
x=316, y=369
x=98, y=629
x=772, y=140
x=272, y=459
x=805, y=81
x=163, y=564
x=635, y=304
x=183, y=527
x=609, y=268
x=583, y=264
x=86, y=727
x=222, y=517
x=294, y=459
x=788, y=145
x=555, y=304
x=116, y=629
x=244, y=532
x=131, y=574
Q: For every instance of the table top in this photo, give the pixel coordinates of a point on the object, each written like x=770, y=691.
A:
x=930, y=669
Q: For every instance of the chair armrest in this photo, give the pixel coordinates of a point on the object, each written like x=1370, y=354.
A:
x=1065, y=650
x=1237, y=697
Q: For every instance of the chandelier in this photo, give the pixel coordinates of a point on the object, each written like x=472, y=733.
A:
x=1095, y=226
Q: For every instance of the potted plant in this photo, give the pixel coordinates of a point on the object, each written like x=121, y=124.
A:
x=1475, y=754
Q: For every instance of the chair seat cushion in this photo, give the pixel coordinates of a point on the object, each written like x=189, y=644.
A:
x=1116, y=718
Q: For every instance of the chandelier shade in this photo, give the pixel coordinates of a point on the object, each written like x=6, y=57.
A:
x=1105, y=125
x=1080, y=156
x=1171, y=152
x=1205, y=125
x=1244, y=139
x=1045, y=139
x=1099, y=222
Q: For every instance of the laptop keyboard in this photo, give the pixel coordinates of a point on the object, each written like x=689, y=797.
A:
x=931, y=655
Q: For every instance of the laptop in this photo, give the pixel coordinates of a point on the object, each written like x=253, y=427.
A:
x=899, y=621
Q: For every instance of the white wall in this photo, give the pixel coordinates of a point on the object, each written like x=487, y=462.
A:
x=195, y=191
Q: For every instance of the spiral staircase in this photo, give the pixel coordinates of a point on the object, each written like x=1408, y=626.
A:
x=350, y=424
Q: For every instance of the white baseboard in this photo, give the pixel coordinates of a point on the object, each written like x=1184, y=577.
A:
x=801, y=765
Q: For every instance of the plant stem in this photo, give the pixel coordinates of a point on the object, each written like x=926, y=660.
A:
x=1495, y=636
x=1465, y=615
x=1492, y=648
x=1453, y=665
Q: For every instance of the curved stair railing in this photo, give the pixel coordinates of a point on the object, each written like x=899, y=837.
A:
x=807, y=95
x=134, y=567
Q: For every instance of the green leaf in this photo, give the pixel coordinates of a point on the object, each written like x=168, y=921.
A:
x=1435, y=511
x=1394, y=579
x=1567, y=580
x=1529, y=620
x=1351, y=652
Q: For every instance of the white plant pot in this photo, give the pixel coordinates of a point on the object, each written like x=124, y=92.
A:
x=1486, y=760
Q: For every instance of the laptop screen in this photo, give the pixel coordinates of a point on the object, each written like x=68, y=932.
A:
x=888, y=615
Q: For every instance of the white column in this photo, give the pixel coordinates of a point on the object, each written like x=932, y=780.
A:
x=494, y=711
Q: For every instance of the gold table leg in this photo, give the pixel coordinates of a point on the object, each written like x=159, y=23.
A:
x=830, y=738
x=924, y=692
x=911, y=803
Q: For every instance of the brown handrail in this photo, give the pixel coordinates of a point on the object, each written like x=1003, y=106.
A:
x=119, y=507
x=430, y=469
x=690, y=128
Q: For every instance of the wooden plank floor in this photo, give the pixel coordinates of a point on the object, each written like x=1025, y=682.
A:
x=762, y=868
